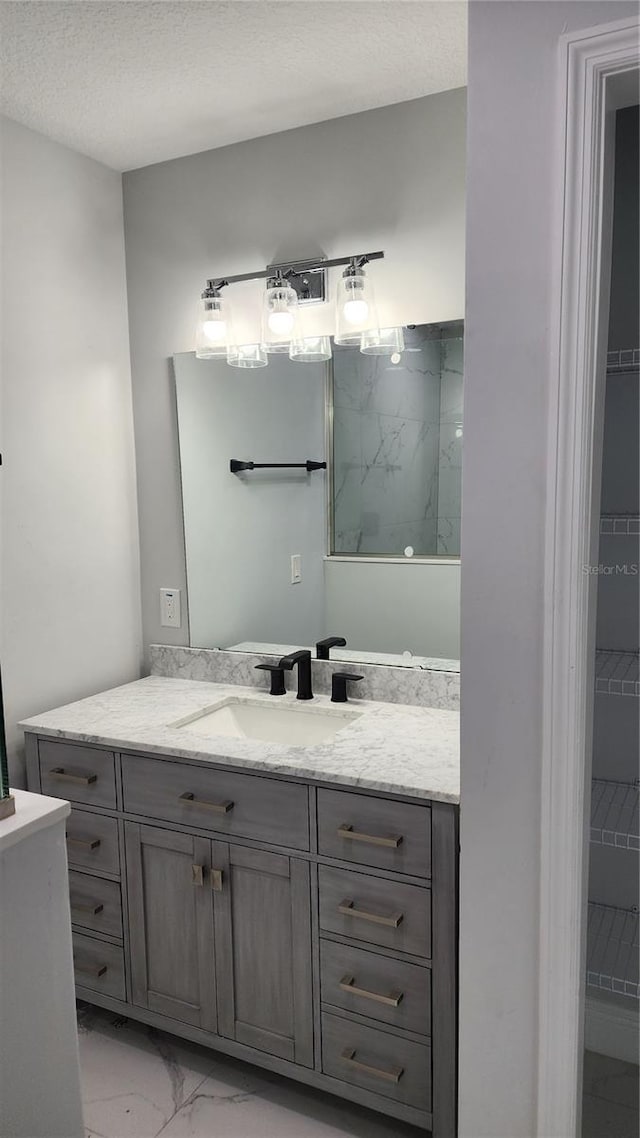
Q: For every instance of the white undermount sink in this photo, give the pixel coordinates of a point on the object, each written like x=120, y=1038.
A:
x=293, y=725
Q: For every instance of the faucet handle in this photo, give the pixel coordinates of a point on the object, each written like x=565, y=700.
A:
x=339, y=682
x=277, y=678
x=323, y=646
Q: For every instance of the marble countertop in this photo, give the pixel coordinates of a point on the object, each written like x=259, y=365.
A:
x=395, y=748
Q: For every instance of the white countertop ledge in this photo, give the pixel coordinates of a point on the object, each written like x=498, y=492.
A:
x=391, y=747
x=33, y=812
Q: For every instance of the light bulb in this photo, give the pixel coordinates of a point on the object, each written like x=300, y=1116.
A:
x=280, y=323
x=215, y=330
x=355, y=311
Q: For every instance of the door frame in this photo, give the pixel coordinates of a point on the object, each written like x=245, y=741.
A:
x=593, y=66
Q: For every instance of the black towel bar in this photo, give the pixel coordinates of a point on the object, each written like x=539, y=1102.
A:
x=236, y=465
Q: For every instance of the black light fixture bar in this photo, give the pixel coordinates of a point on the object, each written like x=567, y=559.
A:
x=286, y=267
x=237, y=465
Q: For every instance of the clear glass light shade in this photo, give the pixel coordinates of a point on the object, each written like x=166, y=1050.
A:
x=311, y=349
x=279, y=316
x=382, y=342
x=247, y=355
x=355, y=307
x=213, y=328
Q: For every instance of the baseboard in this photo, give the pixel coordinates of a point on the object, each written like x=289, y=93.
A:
x=611, y=1029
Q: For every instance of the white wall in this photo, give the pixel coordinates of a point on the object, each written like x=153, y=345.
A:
x=404, y=607
x=70, y=567
x=389, y=179
x=241, y=530
x=511, y=179
x=39, y=1068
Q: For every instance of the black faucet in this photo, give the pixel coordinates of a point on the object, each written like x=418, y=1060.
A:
x=277, y=677
x=323, y=646
x=303, y=660
x=339, y=681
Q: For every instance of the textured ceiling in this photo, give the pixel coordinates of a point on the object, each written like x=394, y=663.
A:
x=141, y=81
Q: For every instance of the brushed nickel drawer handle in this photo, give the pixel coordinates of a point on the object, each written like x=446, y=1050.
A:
x=392, y=842
x=91, y=907
x=83, y=779
x=215, y=880
x=348, y=909
x=89, y=844
x=217, y=807
x=197, y=875
x=97, y=971
x=390, y=1074
x=348, y=984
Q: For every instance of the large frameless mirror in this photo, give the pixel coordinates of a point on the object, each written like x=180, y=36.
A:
x=279, y=555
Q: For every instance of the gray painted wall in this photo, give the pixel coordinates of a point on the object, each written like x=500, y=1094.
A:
x=511, y=203
x=388, y=179
x=70, y=569
x=241, y=530
x=395, y=608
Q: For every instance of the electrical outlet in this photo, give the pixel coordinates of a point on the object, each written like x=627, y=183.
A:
x=296, y=568
x=170, y=608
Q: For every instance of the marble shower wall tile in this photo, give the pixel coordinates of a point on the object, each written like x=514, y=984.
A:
x=386, y=449
x=450, y=448
x=418, y=687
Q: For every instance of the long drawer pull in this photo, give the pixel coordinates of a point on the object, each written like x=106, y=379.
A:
x=91, y=907
x=348, y=832
x=390, y=1074
x=85, y=843
x=217, y=807
x=348, y=984
x=83, y=779
x=97, y=971
x=348, y=909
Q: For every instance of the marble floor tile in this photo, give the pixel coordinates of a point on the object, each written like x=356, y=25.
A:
x=141, y=1083
x=611, y=1079
x=133, y=1077
x=277, y=1108
x=604, y=1119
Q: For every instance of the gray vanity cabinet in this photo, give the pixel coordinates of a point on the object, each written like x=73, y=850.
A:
x=171, y=924
x=308, y=929
x=263, y=950
x=221, y=938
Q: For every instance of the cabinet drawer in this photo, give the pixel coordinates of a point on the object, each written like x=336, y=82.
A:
x=80, y=774
x=377, y=1061
x=376, y=910
x=379, y=987
x=99, y=966
x=95, y=903
x=92, y=841
x=246, y=806
x=375, y=831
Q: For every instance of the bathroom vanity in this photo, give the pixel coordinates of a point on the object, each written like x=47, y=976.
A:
x=294, y=906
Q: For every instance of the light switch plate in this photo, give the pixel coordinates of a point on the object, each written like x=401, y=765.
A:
x=170, y=608
x=296, y=568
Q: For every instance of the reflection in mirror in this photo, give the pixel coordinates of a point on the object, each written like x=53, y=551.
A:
x=262, y=574
x=397, y=447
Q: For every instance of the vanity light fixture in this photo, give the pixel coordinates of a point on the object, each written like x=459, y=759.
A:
x=382, y=342
x=355, y=306
x=212, y=329
x=247, y=355
x=279, y=314
x=288, y=286
x=311, y=349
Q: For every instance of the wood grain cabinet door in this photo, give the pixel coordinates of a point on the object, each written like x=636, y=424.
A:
x=171, y=924
x=263, y=951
